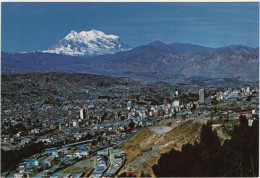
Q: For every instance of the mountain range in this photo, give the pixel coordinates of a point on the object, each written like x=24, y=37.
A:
x=157, y=61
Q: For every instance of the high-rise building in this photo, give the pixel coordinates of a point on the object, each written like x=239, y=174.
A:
x=201, y=96
x=82, y=113
x=219, y=95
x=248, y=90
x=243, y=91
x=177, y=92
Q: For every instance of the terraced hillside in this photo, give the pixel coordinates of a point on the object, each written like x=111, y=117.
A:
x=157, y=140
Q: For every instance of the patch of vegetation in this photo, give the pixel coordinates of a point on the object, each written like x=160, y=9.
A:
x=9, y=159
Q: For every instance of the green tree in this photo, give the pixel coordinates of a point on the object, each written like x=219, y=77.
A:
x=131, y=125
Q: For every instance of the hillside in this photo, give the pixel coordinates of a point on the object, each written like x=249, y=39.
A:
x=56, y=88
x=237, y=157
x=161, y=139
x=174, y=63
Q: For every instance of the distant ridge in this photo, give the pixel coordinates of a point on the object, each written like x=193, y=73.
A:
x=157, y=61
x=179, y=48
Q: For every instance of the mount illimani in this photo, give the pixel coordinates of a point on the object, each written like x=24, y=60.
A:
x=157, y=61
x=88, y=43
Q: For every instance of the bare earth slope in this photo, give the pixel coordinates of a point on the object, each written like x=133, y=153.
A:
x=160, y=139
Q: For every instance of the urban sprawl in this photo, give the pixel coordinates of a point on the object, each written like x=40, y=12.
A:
x=88, y=133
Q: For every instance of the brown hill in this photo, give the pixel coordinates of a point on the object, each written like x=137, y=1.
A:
x=159, y=139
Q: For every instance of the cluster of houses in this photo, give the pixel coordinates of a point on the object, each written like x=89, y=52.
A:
x=51, y=161
x=108, y=162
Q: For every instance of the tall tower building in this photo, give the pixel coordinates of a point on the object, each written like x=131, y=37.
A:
x=219, y=95
x=201, y=96
x=248, y=90
x=82, y=113
x=229, y=91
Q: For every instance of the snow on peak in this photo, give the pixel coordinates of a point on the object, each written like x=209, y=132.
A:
x=88, y=43
x=72, y=34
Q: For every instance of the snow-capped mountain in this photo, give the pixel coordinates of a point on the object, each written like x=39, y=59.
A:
x=88, y=43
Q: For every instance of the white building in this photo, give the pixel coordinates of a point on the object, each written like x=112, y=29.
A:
x=175, y=103
x=201, y=96
x=75, y=124
x=235, y=92
x=248, y=90
x=81, y=113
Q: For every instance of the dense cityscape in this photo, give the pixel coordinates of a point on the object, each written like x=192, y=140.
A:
x=88, y=132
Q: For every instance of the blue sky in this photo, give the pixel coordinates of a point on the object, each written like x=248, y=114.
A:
x=36, y=26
